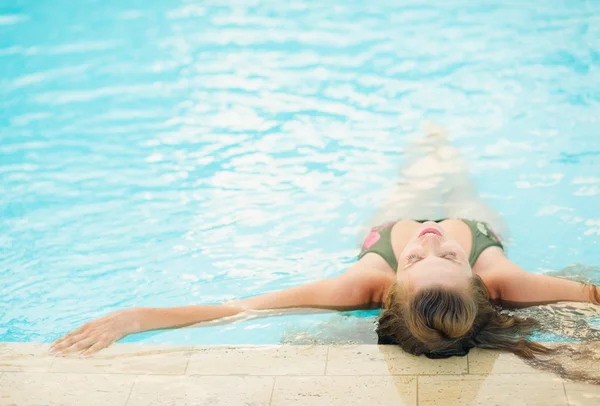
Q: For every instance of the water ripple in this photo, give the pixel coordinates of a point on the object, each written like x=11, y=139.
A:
x=191, y=152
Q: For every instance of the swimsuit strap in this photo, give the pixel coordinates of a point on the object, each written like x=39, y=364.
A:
x=483, y=237
x=379, y=241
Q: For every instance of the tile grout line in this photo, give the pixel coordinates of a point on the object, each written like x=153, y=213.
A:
x=272, y=391
x=75, y=372
x=408, y=374
x=52, y=364
x=417, y=403
x=468, y=365
x=131, y=391
x=187, y=364
x=326, y=360
x=566, y=396
x=101, y=371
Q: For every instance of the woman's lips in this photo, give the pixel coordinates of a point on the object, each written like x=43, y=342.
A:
x=430, y=231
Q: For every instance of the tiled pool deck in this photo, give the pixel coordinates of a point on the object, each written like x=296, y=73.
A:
x=361, y=375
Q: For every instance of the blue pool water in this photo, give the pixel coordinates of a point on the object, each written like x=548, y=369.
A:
x=169, y=153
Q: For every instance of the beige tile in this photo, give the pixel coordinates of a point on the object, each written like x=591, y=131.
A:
x=128, y=359
x=259, y=360
x=35, y=388
x=497, y=362
x=387, y=360
x=25, y=357
x=202, y=390
x=579, y=394
x=513, y=390
x=345, y=391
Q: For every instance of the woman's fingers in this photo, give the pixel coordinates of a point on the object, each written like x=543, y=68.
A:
x=99, y=345
x=87, y=342
x=82, y=342
x=67, y=343
x=60, y=343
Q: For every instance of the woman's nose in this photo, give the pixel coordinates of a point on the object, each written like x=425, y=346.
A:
x=431, y=243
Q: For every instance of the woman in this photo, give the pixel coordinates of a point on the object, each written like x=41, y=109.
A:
x=439, y=282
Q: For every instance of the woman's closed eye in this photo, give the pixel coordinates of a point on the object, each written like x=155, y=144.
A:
x=449, y=255
x=412, y=258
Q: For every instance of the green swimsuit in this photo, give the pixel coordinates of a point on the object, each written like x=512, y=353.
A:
x=379, y=241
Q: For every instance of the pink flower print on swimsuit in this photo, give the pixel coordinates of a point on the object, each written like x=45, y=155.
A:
x=371, y=239
x=374, y=236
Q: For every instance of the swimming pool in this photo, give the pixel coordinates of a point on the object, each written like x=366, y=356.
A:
x=185, y=152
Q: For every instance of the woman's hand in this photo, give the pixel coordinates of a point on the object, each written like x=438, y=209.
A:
x=98, y=334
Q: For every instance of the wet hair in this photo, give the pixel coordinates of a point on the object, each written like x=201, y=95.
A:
x=439, y=322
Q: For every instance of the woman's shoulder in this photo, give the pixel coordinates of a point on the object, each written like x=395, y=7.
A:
x=489, y=259
x=486, y=268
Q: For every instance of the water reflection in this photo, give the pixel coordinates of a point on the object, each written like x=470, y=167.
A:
x=200, y=151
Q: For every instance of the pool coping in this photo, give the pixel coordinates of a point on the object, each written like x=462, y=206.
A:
x=140, y=374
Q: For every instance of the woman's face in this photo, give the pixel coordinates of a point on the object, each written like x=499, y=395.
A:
x=433, y=258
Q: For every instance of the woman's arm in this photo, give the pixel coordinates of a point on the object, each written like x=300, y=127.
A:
x=358, y=288
x=517, y=288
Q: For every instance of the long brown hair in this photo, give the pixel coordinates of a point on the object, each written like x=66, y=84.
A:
x=438, y=322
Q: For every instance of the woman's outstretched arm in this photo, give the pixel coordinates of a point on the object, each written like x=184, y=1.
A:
x=358, y=288
x=517, y=288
